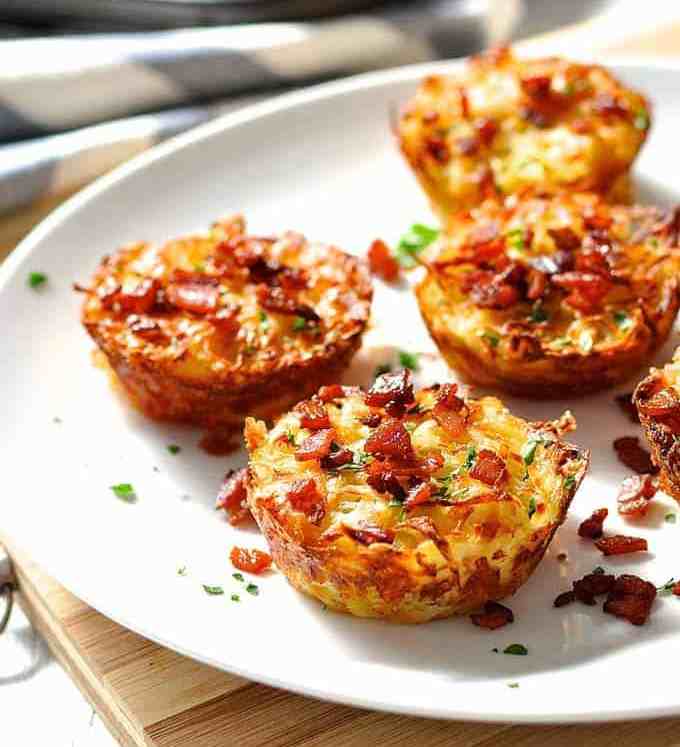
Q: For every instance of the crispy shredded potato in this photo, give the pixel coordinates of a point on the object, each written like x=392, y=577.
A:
x=505, y=126
x=208, y=329
x=422, y=507
x=547, y=297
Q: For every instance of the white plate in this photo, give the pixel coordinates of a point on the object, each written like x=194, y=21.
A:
x=323, y=162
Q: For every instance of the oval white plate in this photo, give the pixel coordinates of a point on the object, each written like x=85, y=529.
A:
x=323, y=162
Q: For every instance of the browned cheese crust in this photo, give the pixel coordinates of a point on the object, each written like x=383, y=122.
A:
x=421, y=507
x=208, y=329
x=505, y=126
x=548, y=297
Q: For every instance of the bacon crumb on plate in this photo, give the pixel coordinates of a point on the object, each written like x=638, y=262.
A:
x=591, y=528
x=250, y=561
x=631, y=598
x=620, y=544
x=635, y=493
x=495, y=616
x=634, y=456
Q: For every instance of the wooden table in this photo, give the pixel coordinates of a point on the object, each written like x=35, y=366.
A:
x=149, y=696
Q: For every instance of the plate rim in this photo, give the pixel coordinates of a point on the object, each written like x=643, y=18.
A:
x=166, y=149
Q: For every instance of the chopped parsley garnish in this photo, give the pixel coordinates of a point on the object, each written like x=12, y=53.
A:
x=264, y=319
x=491, y=337
x=182, y=571
x=670, y=518
x=408, y=360
x=125, y=492
x=641, y=120
x=235, y=598
x=290, y=437
x=413, y=242
x=252, y=589
x=299, y=324
x=531, y=510
x=515, y=239
x=36, y=279
x=383, y=368
x=538, y=313
x=516, y=649
x=213, y=590
x=360, y=460
x=623, y=321
x=513, y=684
x=529, y=450
x=237, y=576
x=174, y=448
x=470, y=457
x=667, y=588
x=569, y=482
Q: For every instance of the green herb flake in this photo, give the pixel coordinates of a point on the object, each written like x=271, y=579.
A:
x=538, y=314
x=413, y=242
x=174, y=448
x=667, y=588
x=253, y=589
x=491, y=337
x=213, y=590
x=513, y=685
x=299, y=324
x=264, y=319
x=515, y=239
x=36, y=279
x=182, y=571
x=383, y=368
x=470, y=457
x=622, y=320
x=516, y=649
x=531, y=510
x=290, y=437
x=670, y=518
x=125, y=492
x=235, y=598
x=529, y=450
x=408, y=360
x=238, y=576
x=641, y=120
x=569, y=482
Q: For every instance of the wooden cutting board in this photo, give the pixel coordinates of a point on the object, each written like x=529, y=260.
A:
x=149, y=696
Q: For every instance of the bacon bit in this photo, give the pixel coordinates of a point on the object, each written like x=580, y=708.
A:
x=226, y=320
x=419, y=494
x=464, y=103
x=565, y=238
x=390, y=439
x=232, y=496
x=631, y=598
x=303, y=495
x=538, y=117
x=293, y=279
x=625, y=402
x=581, y=126
x=606, y=104
x=436, y=146
x=489, y=468
x=196, y=293
x=313, y=414
x=630, y=453
x=372, y=420
x=337, y=458
x=250, y=561
x=331, y=392
x=368, y=535
x=432, y=463
x=537, y=282
x=587, y=290
x=381, y=261
x=495, y=290
x=448, y=398
x=384, y=480
x=536, y=86
x=495, y=616
x=486, y=241
x=391, y=387
x=620, y=544
x=486, y=129
x=430, y=117
x=592, y=585
x=450, y=411
x=663, y=406
x=593, y=261
x=140, y=299
x=634, y=495
x=276, y=299
x=145, y=327
x=591, y=528
x=316, y=446
x=563, y=599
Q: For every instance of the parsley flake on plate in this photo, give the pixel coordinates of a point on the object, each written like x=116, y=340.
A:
x=125, y=492
x=36, y=279
x=235, y=598
x=670, y=518
x=238, y=576
x=413, y=242
x=174, y=448
x=253, y=589
x=213, y=590
x=408, y=360
x=516, y=649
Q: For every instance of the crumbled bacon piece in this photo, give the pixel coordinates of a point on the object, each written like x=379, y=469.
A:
x=145, y=327
x=586, y=289
x=232, y=496
x=383, y=479
x=486, y=129
x=634, y=495
x=450, y=411
x=489, y=468
x=372, y=420
x=368, y=535
x=276, y=299
x=193, y=292
x=566, y=597
x=565, y=238
x=496, y=290
x=467, y=146
x=419, y=494
x=630, y=453
x=537, y=282
x=605, y=103
x=436, y=146
x=592, y=585
x=226, y=320
x=631, y=598
x=591, y=528
x=316, y=446
x=337, y=458
x=293, y=279
x=250, y=561
x=140, y=299
x=620, y=544
x=663, y=405
x=381, y=261
x=331, y=392
x=495, y=616
x=390, y=439
x=625, y=402
x=391, y=387
x=312, y=414
x=536, y=86
x=303, y=495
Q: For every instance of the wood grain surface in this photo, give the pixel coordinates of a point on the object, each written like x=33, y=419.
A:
x=151, y=697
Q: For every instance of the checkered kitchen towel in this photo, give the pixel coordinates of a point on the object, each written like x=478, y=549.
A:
x=70, y=107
